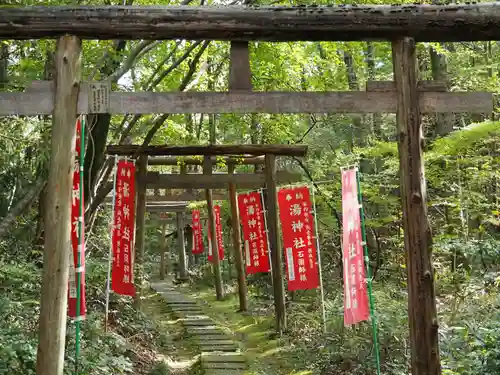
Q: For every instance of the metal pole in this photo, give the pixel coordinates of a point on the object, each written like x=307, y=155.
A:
x=80, y=245
x=319, y=260
x=368, y=276
x=267, y=232
x=110, y=254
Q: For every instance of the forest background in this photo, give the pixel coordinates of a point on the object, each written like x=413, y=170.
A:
x=461, y=160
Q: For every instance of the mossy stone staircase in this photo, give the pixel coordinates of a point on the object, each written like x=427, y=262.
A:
x=220, y=353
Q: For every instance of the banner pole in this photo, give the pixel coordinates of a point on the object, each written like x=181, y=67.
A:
x=110, y=254
x=80, y=244
x=264, y=211
x=368, y=275
x=319, y=260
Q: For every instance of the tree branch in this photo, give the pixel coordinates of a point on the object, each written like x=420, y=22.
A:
x=131, y=59
x=161, y=64
x=189, y=75
x=22, y=205
x=156, y=82
x=337, y=216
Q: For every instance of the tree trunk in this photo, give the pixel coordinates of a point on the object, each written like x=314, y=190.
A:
x=99, y=129
x=372, y=76
x=4, y=63
x=439, y=67
x=21, y=206
x=358, y=131
x=53, y=309
x=417, y=233
x=49, y=72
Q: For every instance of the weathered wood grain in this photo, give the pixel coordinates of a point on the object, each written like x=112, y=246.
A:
x=464, y=22
x=275, y=244
x=53, y=309
x=183, y=197
x=210, y=150
x=417, y=233
x=41, y=102
x=213, y=245
x=181, y=247
x=173, y=160
x=221, y=181
x=162, y=208
x=422, y=86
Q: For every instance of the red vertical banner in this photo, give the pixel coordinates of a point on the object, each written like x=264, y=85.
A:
x=297, y=226
x=122, y=273
x=218, y=236
x=197, y=235
x=254, y=233
x=75, y=217
x=356, y=306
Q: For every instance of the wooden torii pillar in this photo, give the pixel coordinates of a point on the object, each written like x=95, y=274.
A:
x=53, y=308
x=418, y=238
x=179, y=209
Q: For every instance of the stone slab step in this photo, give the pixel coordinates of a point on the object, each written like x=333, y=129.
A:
x=223, y=357
x=201, y=331
x=178, y=301
x=223, y=372
x=190, y=322
x=222, y=349
x=218, y=337
x=216, y=343
x=183, y=306
x=224, y=365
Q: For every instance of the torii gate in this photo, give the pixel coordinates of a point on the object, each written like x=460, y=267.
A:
x=401, y=25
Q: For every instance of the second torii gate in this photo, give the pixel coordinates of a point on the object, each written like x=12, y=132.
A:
x=208, y=181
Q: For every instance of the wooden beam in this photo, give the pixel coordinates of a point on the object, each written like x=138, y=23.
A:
x=159, y=208
x=213, y=244
x=417, y=232
x=454, y=22
x=121, y=103
x=181, y=244
x=170, y=219
x=210, y=150
x=163, y=250
x=182, y=197
x=54, y=298
x=173, y=160
x=275, y=244
x=422, y=86
x=198, y=181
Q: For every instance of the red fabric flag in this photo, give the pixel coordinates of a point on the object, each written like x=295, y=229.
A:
x=75, y=215
x=218, y=236
x=297, y=226
x=356, y=306
x=197, y=236
x=254, y=233
x=122, y=279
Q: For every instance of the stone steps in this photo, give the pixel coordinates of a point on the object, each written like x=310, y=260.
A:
x=220, y=353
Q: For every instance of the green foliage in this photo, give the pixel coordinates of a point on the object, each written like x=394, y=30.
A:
x=461, y=170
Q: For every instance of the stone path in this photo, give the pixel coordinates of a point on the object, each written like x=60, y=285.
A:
x=220, y=354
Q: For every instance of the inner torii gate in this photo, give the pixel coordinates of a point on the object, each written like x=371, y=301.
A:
x=401, y=25
x=207, y=181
